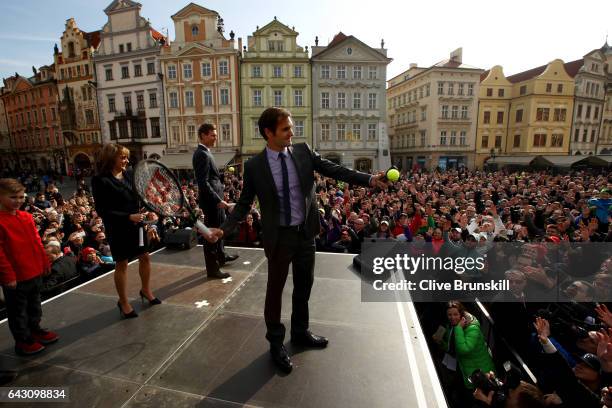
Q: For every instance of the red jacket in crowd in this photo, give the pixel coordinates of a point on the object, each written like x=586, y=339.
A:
x=22, y=256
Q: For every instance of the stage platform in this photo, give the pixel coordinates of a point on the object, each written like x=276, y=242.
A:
x=205, y=345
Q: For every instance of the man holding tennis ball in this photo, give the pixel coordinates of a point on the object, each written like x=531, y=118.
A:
x=282, y=177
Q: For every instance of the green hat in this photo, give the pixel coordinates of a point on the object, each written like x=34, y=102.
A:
x=605, y=190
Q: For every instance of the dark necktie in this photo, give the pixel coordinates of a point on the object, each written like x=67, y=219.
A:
x=286, y=199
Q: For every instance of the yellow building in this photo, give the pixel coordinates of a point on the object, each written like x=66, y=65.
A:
x=201, y=76
x=275, y=71
x=541, y=111
x=493, y=107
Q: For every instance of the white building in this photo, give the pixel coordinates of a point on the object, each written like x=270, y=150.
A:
x=589, y=98
x=130, y=94
x=349, y=105
x=432, y=113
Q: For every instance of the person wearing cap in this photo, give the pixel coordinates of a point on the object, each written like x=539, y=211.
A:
x=602, y=209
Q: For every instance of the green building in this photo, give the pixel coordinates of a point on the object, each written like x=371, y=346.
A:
x=275, y=71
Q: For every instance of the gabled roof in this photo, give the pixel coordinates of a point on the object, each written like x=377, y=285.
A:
x=184, y=12
x=341, y=38
x=121, y=4
x=275, y=22
x=92, y=38
x=571, y=68
x=157, y=36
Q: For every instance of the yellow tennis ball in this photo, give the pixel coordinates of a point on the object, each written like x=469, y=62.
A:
x=393, y=175
x=231, y=169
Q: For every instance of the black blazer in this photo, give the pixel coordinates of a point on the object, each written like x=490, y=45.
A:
x=258, y=181
x=210, y=181
x=114, y=201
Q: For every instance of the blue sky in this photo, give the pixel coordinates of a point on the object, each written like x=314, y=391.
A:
x=517, y=34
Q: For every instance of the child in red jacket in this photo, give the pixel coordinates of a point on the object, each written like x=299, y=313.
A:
x=22, y=262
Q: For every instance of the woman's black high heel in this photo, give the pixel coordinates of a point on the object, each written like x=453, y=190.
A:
x=124, y=315
x=152, y=302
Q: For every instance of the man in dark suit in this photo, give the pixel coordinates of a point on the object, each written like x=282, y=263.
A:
x=283, y=179
x=210, y=188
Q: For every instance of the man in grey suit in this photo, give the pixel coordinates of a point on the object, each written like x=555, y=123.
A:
x=210, y=189
x=282, y=177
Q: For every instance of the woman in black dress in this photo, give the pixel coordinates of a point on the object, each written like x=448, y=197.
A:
x=117, y=204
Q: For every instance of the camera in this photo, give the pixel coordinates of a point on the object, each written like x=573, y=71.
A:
x=500, y=387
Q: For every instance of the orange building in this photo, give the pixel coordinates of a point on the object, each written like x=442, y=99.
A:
x=31, y=106
x=201, y=73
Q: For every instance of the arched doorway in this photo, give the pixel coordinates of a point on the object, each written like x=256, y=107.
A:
x=363, y=164
x=82, y=164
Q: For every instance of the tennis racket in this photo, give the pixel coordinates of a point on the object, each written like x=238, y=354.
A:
x=161, y=193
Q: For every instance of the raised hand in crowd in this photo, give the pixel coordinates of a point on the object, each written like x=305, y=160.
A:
x=604, y=314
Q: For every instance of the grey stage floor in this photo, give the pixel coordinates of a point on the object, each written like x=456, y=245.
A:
x=205, y=346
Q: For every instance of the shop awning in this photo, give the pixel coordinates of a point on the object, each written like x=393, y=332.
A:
x=511, y=160
x=571, y=161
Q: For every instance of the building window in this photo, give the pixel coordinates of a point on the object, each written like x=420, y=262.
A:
x=585, y=133
x=579, y=113
x=121, y=48
x=223, y=68
x=341, y=72
x=113, y=130
x=498, y=141
x=341, y=132
x=226, y=134
x=372, y=101
x=224, y=96
x=548, y=88
x=256, y=71
x=173, y=100
x=187, y=72
x=341, y=100
x=463, y=138
x=372, y=72
x=206, y=69
x=460, y=89
x=189, y=99
x=298, y=99
x=596, y=113
x=487, y=117
x=111, y=103
x=298, y=71
x=593, y=134
x=357, y=100
x=470, y=89
x=324, y=100
x=324, y=71
x=191, y=133
x=325, y=133
x=588, y=112
x=277, y=71
x=500, y=118
x=577, y=135
x=125, y=72
x=423, y=113
x=517, y=141
x=43, y=114
x=451, y=88
x=453, y=137
x=455, y=112
x=489, y=91
x=89, y=117
x=137, y=70
x=109, y=74
x=299, y=128
x=559, y=88
x=357, y=72
x=444, y=111
x=194, y=30
x=150, y=68
x=256, y=129
x=539, y=140
x=278, y=97
x=484, y=143
x=208, y=99
x=140, y=101
x=123, y=129
x=500, y=93
x=155, y=130
x=176, y=134
x=171, y=71
x=519, y=116
x=542, y=114
x=464, y=112
x=257, y=97
x=443, y=138
x=557, y=140
x=559, y=115
x=152, y=100
x=127, y=102
x=440, y=88
x=523, y=89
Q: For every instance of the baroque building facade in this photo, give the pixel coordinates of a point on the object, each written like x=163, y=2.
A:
x=349, y=104
x=275, y=71
x=129, y=87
